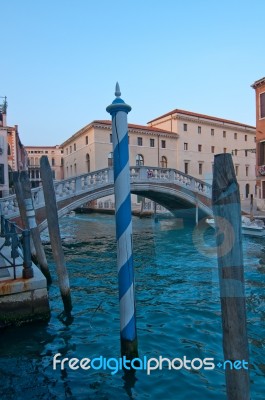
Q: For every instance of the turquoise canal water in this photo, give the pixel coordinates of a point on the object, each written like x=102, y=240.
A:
x=178, y=314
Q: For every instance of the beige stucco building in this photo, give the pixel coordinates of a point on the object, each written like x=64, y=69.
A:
x=201, y=136
x=55, y=156
x=90, y=148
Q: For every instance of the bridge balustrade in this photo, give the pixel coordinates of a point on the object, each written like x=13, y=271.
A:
x=86, y=183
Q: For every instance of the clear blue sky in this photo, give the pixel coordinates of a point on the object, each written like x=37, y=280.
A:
x=60, y=60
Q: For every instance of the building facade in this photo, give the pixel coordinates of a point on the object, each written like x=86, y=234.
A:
x=90, y=149
x=4, y=179
x=55, y=156
x=200, y=137
x=259, y=87
x=13, y=156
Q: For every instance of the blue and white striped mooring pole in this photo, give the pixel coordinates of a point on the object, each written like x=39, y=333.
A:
x=119, y=110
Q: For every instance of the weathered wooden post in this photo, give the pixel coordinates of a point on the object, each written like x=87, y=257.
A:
x=22, y=209
x=54, y=233
x=27, y=263
x=32, y=225
x=119, y=110
x=227, y=215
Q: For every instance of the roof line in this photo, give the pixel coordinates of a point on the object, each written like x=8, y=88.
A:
x=204, y=116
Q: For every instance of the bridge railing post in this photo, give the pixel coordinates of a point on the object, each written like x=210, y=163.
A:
x=143, y=173
x=78, y=184
x=110, y=175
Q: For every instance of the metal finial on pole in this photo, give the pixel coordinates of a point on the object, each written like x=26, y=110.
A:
x=117, y=90
x=119, y=110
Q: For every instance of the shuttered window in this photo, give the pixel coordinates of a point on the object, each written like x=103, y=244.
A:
x=262, y=105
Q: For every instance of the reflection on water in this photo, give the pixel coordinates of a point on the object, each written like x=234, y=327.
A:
x=178, y=313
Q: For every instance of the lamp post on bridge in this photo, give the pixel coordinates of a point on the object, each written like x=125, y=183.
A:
x=119, y=110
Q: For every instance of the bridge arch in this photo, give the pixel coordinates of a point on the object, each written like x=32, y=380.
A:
x=170, y=198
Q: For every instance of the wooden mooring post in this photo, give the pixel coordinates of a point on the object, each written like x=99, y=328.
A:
x=22, y=210
x=54, y=233
x=32, y=225
x=227, y=215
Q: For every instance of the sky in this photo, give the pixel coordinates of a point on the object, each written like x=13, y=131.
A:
x=60, y=60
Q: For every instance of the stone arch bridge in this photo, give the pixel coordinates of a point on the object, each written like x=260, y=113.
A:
x=171, y=188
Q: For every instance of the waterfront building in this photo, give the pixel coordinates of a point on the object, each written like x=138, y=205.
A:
x=4, y=181
x=90, y=149
x=259, y=87
x=55, y=156
x=201, y=136
x=13, y=156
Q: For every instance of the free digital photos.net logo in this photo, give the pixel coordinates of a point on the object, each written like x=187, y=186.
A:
x=144, y=364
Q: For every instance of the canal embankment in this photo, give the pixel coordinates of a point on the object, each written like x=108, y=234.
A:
x=22, y=299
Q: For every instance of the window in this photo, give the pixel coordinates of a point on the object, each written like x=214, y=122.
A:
x=199, y=147
x=225, y=149
x=53, y=162
x=140, y=141
x=71, y=150
x=246, y=170
x=235, y=152
x=163, y=162
x=46, y=151
x=74, y=146
x=185, y=127
x=212, y=149
x=224, y=134
x=110, y=138
x=139, y=160
x=185, y=146
x=186, y=167
x=8, y=150
x=246, y=138
x=235, y=135
x=86, y=139
x=152, y=142
x=200, y=168
x=61, y=161
x=87, y=162
x=255, y=139
x=212, y=132
x=37, y=174
x=66, y=151
x=262, y=105
x=163, y=144
x=199, y=129
x=53, y=174
x=110, y=159
x=246, y=153
x=236, y=170
x=75, y=168
x=261, y=153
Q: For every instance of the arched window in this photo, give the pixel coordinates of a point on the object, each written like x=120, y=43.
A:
x=110, y=159
x=163, y=162
x=88, y=162
x=139, y=160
